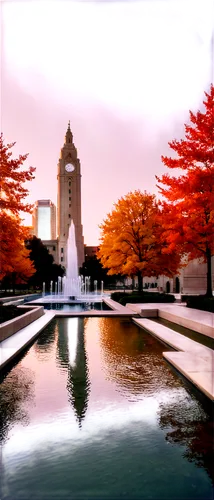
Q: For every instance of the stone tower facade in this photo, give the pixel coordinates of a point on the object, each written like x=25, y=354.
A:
x=69, y=199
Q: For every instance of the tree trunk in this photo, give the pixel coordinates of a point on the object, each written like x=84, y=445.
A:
x=14, y=283
x=209, y=273
x=124, y=285
x=140, y=281
x=133, y=283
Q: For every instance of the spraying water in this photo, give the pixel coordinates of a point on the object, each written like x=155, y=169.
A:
x=72, y=286
x=71, y=281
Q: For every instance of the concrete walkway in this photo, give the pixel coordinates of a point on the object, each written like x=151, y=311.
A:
x=195, y=362
x=10, y=347
x=199, y=321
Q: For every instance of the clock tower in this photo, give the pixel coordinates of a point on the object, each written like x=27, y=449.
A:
x=69, y=199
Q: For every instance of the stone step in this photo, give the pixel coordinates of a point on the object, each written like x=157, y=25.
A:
x=10, y=347
x=195, y=361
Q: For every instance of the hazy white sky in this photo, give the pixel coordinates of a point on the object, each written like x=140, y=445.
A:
x=124, y=73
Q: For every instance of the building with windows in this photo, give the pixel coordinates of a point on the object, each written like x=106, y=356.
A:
x=44, y=220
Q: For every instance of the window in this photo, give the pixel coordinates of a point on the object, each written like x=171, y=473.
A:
x=62, y=250
x=69, y=215
x=69, y=205
x=69, y=198
x=61, y=259
x=69, y=191
x=69, y=183
x=54, y=248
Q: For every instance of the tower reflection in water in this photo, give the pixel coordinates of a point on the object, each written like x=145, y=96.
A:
x=72, y=357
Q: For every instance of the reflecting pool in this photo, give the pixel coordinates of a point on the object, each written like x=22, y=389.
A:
x=78, y=307
x=92, y=411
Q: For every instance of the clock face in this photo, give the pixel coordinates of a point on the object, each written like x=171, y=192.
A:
x=69, y=167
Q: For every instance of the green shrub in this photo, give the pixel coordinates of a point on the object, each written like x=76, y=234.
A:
x=185, y=297
x=201, y=302
x=146, y=298
x=117, y=296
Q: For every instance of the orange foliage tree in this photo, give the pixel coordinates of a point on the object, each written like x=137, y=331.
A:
x=190, y=197
x=14, y=257
x=132, y=240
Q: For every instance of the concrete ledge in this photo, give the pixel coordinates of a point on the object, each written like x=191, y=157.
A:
x=149, y=313
x=146, y=312
x=119, y=308
x=115, y=313
x=13, y=302
x=199, y=321
x=197, y=369
x=14, y=325
x=13, y=345
x=170, y=337
x=13, y=298
x=195, y=362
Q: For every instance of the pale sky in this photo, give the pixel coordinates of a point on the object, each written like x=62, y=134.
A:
x=125, y=73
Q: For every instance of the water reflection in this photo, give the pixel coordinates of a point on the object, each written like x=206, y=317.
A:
x=62, y=343
x=16, y=393
x=187, y=423
x=45, y=341
x=72, y=357
x=133, y=359
x=146, y=442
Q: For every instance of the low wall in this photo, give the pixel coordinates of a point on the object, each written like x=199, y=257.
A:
x=13, y=303
x=14, y=325
x=197, y=326
x=24, y=298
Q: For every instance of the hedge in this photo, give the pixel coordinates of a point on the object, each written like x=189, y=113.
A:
x=201, y=302
x=152, y=298
x=145, y=297
x=185, y=297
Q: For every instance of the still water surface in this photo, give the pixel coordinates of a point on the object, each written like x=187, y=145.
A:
x=92, y=411
x=78, y=307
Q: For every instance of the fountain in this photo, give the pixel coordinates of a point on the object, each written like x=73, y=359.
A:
x=95, y=287
x=72, y=287
x=71, y=281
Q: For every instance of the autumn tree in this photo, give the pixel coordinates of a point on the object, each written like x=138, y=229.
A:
x=15, y=265
x=14, y=257
x=189, y=197
x=132, y=241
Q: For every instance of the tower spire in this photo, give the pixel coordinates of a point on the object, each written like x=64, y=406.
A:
x=68, y=135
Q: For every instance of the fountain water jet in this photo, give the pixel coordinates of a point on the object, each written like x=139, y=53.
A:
x=72, y=283
x=72, y=287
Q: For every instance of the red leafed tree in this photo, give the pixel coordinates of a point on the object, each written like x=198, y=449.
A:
x=14, y=257
x=132, y=241
x=12, y=191
x=189, y=197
